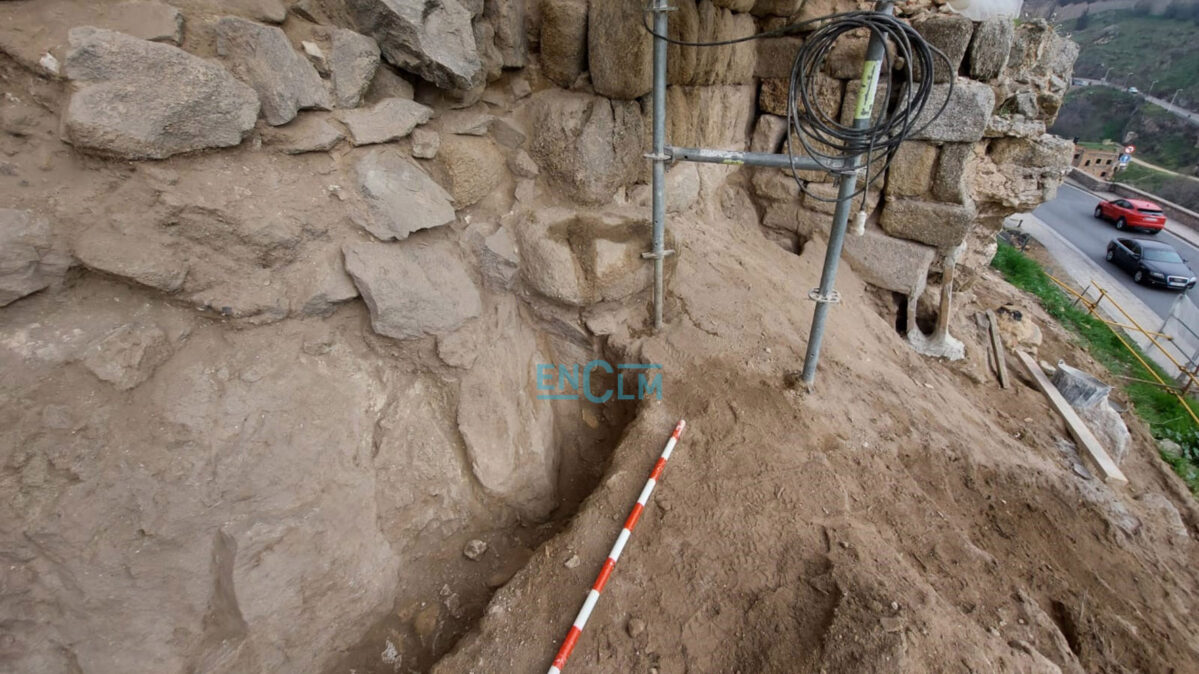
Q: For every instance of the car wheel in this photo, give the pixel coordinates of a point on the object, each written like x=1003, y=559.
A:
x=1111, y=255
x=1120, y=224
x=1139, y=277
x=1099, y=211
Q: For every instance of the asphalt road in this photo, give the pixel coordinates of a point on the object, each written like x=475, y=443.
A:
x=1071, y=214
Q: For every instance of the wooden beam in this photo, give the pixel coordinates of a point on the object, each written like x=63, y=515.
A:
x=1108, y=469
x=997, y=348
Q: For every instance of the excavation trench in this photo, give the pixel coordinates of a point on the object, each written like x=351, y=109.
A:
x=442, y=594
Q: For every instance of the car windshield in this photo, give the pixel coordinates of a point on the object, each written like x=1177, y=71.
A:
x=1160, y=255
x=1149, y=211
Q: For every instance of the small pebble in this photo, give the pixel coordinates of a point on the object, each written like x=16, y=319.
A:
x=573, y=562
x=894, y=606
x=474, y=549
x=635, y=626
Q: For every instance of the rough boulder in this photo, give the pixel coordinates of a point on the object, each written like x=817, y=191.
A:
x=144, y=100
x=432, y=39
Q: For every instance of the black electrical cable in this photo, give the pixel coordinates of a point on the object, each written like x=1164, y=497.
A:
x=821, y=134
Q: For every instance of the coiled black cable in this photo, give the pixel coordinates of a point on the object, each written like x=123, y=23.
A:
x=822, y=136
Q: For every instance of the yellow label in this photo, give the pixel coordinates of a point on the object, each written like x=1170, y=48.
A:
x=870, y=74
x=737, y=162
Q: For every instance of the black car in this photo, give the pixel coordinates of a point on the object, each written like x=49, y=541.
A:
x=1151, y=262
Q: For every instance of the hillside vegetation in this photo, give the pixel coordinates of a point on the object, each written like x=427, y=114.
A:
x=1140, y=49
x=1098, y=113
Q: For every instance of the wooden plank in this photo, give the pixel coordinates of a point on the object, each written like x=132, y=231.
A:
x=997, y=347
x=1108, y=469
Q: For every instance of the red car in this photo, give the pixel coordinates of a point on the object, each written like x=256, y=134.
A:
x=1134, y=213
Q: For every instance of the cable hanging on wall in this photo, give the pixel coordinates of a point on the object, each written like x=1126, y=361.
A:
x=819, y=132
x=817, y=139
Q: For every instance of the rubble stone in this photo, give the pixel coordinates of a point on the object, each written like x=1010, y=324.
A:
x=387, y=120
x=28, y=261
x=965, y=116
x=564, y=40
x=145, y=100
x=473, y=168
x=990, y=46
x=353, y=60
x=400, y=197
x=434, y=40
x=587, y=146
x=942, y=226
x=262, y=57
x=413, y=289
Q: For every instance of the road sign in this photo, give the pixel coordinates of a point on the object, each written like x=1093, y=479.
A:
x=1124, y=159
x=1129, y=149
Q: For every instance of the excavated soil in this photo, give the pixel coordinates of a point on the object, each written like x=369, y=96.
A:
x=908, y=515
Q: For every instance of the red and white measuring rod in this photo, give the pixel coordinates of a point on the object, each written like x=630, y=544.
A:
x=572, y=637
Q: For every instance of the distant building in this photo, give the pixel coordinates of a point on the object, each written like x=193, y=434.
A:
x=1101, y=164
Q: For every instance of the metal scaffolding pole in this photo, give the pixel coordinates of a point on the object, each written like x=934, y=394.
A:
x=826, y=295
x=659, y=157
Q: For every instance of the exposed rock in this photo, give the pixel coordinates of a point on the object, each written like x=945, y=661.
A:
x=1089, y=397
x=889, y=263
x=1018, y=173
x=474, y=549
x=28, y=261
x=507, y=133
x=520, y=86
x=128, y=256
x=965, y=116
x=586, y=145
x=1165, y=517
x=473, y=168
x=717, y=116
x=128, y=355
x=281, y=527
x=271, y=11
x=704, y=66
x=564, y=40
x=138, y=99
x=149, y=20
x=434, y=40
x=466, y=122
x=389, y=119
x=262, y=57
x=1017, y=327
x=949, y=182
x=413, y=289
x=498, y=258
x=990, y=47
x=1042, y=60
x=400, y=197
x=581, y=258
x=326, y=285
x=618, y=53
x=353, y=60
x=942, y=226
x=307, y=133
x=951, y=34
x=509, y=438
x=522, y=165
x=507, y=17
x=911, y=172
x=425, y=143
x=489, y=55
x=828, y=96
x=769, y=132
x=776, y=57
x=387, y=84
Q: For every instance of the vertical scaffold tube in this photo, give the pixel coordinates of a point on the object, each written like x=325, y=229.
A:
x=659, y=159
x=826, y=294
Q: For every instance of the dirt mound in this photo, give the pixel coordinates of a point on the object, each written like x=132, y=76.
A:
x=907, y=516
